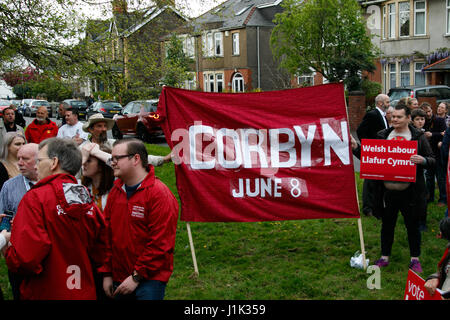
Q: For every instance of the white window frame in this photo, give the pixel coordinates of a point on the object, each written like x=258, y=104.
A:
x=384, y=23
x=405, y=69
x=392, y=75
x=392, y=17
x=419, y=70
x=211, y=81
x=218, y=44
x=235, y=43
x=447, y=13
x=189, y=46
x=424, y=11
x=219, y=80
x=238, y=82
x=399, y=19
x=305, y=77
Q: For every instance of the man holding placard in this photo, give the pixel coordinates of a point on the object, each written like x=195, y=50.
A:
x=402, y=193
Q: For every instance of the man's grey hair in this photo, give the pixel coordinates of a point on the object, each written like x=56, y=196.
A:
x=380, y=98
x=67, y=152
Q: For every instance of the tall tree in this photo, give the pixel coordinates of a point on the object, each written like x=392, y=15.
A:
x=325, y=36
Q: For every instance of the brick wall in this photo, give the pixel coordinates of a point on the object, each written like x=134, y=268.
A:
x=356, y=109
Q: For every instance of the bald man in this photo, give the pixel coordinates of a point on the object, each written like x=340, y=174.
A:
x=13, y=191
x=41, y=128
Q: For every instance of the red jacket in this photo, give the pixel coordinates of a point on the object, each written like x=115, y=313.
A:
x=36, y=132
x=141, y=230
x=54, y=242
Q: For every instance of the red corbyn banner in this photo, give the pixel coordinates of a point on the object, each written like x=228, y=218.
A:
x=279, y=155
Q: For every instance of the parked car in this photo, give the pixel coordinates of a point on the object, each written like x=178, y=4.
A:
x=3, y=105
x=23, y=105
x=107, y=108
x=80, y=105
x=30, y=109
x=442, y=93
x=138, y=118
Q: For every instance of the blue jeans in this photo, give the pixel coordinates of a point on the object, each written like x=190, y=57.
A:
x=146, y=290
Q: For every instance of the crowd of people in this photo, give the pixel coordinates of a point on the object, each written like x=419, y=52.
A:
x=90, y=219
x=385, y=199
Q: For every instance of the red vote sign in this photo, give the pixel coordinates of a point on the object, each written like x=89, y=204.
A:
x=388, y=160
x=415, y=289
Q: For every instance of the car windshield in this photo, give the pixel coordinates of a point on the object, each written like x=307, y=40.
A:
x=78, y=104
x=4, y=103
x=111, y=104
x=150, y=106
x=398, y=94
x=40, y=103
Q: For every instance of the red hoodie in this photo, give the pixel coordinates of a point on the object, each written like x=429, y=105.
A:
x=56, y=233
x=141, y=230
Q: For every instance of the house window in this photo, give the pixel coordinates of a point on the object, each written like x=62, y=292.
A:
x=213, y=82
x=391, y=24
x=404, y=74
x=448, y=16
x=403, y=8
x=306, y=79
x=419, y=18
x=208, y=45
x=219, y=82
x=419, y=76
x=190, y=51
x=392, y=75
x=384, y=23
x=218, y=44
x=238, y=83
x=235, y=37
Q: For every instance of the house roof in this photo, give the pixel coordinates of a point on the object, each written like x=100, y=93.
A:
x=233, y=14
x=441, y=65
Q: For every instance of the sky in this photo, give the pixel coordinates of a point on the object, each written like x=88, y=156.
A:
x=194, y=8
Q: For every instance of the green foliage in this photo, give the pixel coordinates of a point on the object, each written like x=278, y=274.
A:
x=176, y=64
x=327, y=36
x=53, y=90
x=371, y=89
x=140, y=94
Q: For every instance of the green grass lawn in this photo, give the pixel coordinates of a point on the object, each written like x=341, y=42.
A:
x=307, y=259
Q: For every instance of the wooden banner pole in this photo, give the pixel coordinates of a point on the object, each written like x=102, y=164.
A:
x=191, y=244
x=361, y=240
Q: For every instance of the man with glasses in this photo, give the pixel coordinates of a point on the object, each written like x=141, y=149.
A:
x=141, y=215
x=59, y=235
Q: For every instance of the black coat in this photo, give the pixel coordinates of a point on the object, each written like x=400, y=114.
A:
x=371, y=124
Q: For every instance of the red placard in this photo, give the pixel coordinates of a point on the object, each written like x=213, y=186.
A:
x=388, y=160
x=276, y=155
x=415, y=289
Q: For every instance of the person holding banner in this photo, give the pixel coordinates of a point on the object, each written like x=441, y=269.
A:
x=441, y=278
x=394, y=196
x=373, y=121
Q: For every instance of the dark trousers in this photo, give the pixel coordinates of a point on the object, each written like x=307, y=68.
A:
x=15, y=280
x=402, y=201
x=433, y=174
x=368, y=196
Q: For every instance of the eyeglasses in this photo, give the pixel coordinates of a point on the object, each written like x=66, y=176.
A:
x=116, y=159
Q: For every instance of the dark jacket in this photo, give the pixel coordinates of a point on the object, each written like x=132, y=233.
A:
x=418, y=188
x=371, y=124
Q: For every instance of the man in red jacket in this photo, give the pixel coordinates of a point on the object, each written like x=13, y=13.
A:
x=59, y=235
x=141, y=216
x=41, y=128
